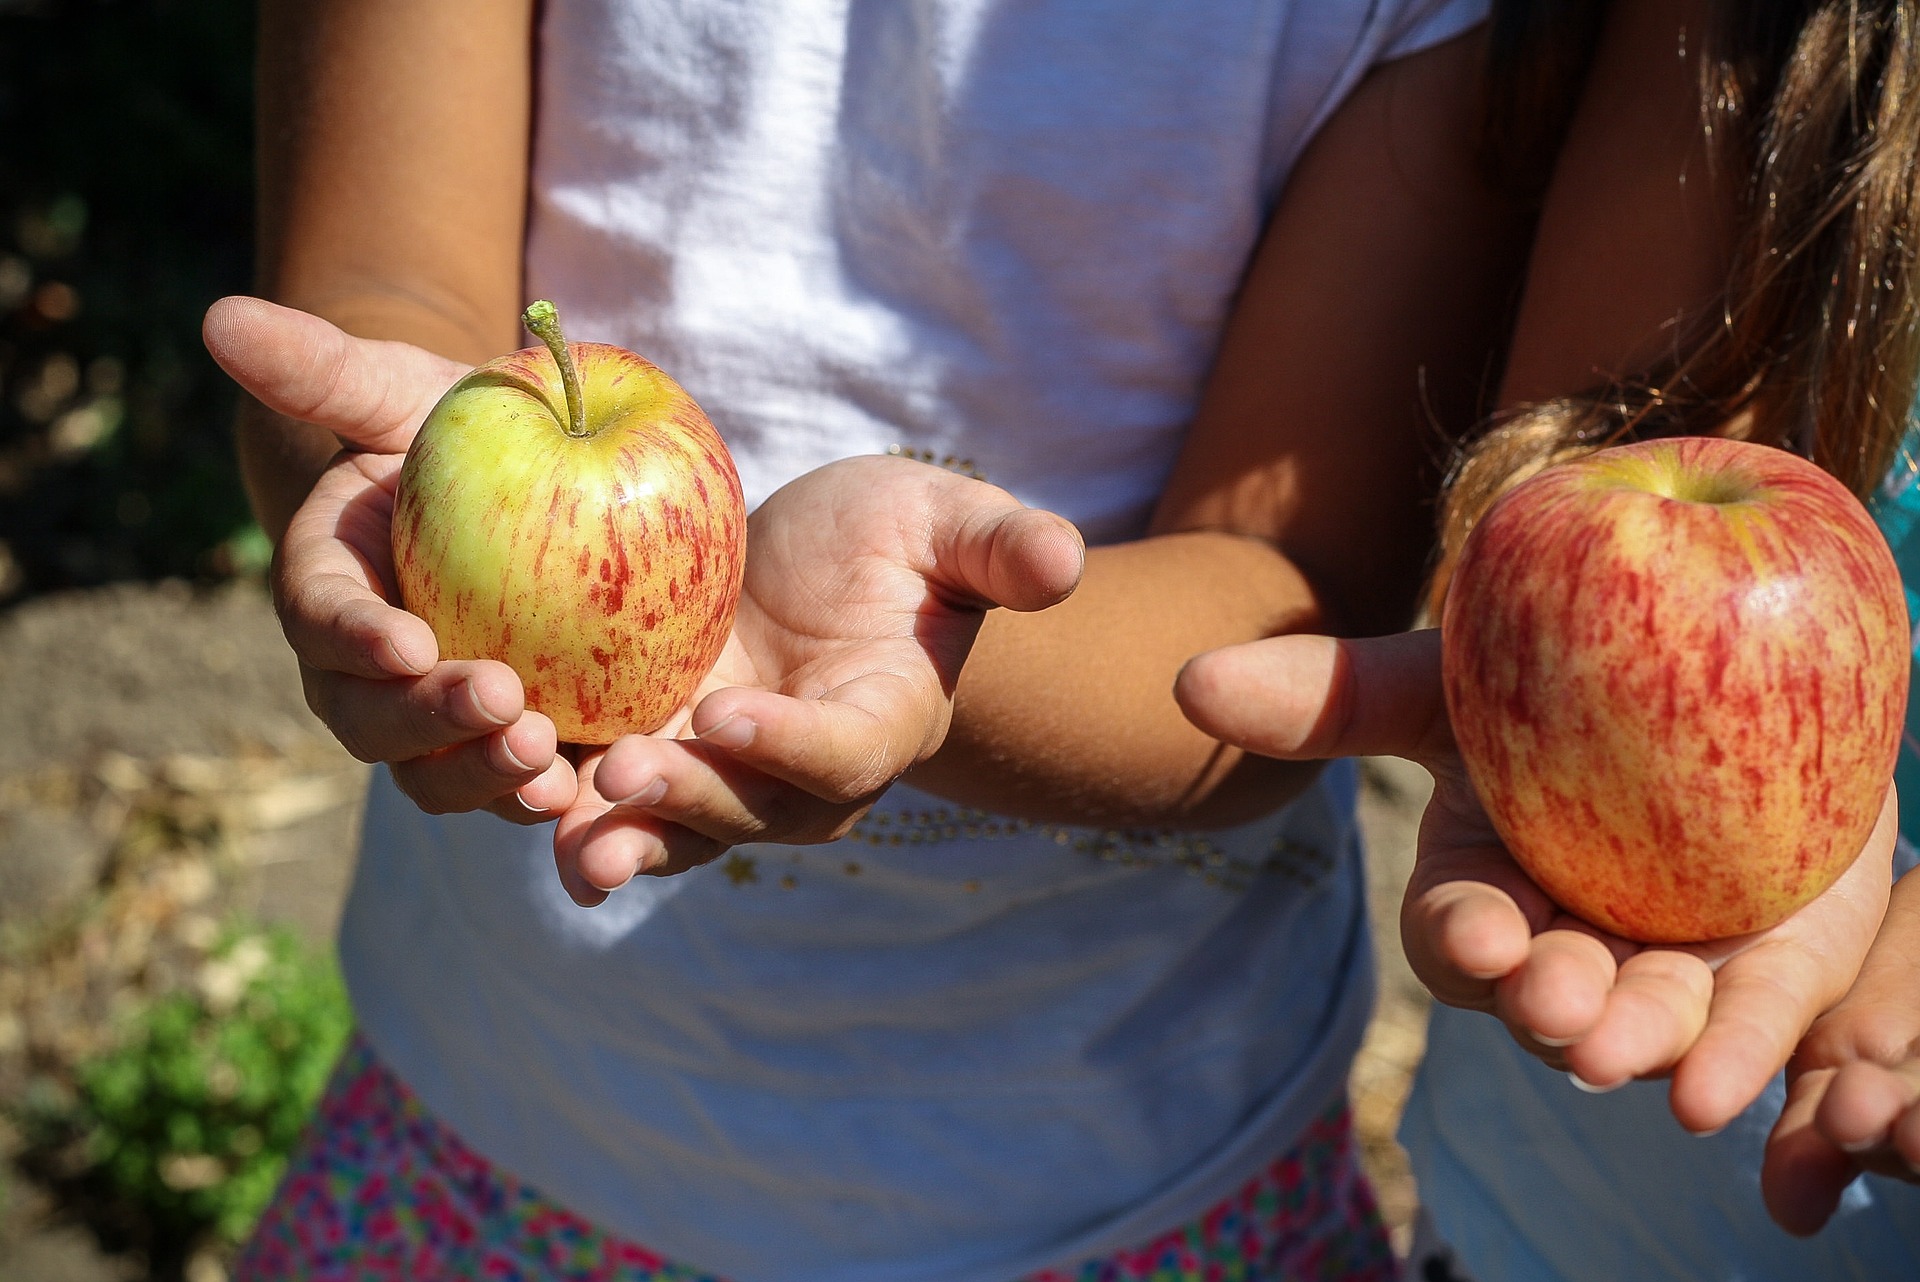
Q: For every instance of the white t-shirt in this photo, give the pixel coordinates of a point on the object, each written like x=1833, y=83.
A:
x=949, y=1047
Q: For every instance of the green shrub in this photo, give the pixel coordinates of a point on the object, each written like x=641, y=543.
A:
x=187, y=1123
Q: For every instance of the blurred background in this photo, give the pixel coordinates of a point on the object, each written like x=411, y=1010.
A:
x=125, y=202
x=175, y=828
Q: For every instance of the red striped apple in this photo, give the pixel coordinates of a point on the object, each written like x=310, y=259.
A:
x=1677, y=672
x=569, y=511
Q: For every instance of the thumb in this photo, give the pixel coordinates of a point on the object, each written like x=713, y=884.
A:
x=1306, y=697
x=372, y=395
x=1001, y=553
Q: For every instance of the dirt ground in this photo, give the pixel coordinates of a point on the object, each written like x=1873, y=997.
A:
x=159, y=772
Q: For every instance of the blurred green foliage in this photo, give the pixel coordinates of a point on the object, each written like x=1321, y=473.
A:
x=177, y=1137
x=125, y=208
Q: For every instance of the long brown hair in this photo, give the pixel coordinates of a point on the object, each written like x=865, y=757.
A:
x=1817, y=345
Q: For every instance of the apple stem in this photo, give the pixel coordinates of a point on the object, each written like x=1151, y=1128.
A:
x=542, y=319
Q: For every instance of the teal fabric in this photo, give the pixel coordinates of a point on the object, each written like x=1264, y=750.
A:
x=1896, y=508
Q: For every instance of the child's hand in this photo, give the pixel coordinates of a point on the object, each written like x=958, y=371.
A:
x=456, y=734
x=866, y=583
x=1721, y=1019
x=1853, y=1088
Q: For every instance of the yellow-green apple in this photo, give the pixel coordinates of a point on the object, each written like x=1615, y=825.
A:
x=1677, y=672
x=570, y=511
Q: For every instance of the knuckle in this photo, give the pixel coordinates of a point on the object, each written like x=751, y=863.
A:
x=796, y=817
x=774, y=813
x=842, y=822
x=845, y=792
x=355, y=740
x=281, y=583
x=825, y=823
x=868, y=779
x=420, y=788
x=409, y=786
x=360, y=752
x=314, y=689
x=323, y=700
x=688, y=850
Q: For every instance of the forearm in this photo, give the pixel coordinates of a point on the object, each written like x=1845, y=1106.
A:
x=1632, y=250
x=392, y=159
x=1068, y=715
x=1301, y=500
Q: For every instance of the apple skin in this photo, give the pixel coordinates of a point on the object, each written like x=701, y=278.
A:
x=603, y=569
x=1677, y=672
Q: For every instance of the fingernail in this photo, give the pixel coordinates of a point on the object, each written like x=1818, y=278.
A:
x=651, y=795
x=1581, y=1083
x=1555, y=1042
x=405, y=664
x=1860, y=1146
x=479, y=708
x=528, y=806
x=514, y=765
x=1709, y=1133
x=733, y=733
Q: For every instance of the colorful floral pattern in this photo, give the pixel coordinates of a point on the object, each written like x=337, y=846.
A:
x=1309, y=1217
x=379, y=1190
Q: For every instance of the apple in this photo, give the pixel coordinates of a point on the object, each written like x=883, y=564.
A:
x=570, y=511
x=1677, y=672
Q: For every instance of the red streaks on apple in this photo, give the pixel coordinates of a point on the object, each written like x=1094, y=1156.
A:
x=604, y=566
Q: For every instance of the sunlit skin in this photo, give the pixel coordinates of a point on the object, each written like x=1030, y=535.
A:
x=1677, y=673
x=602, y=563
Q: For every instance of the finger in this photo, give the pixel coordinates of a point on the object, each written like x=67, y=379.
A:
x=847, y=745
x=696, y=786
x=1759, y=1012
x=1879, y=1017
x=372, y=395
x=680, y=803
x=331, y=593
x=1460, y=937
x=1768, y=996
x=625, y=843
x=1803, y=1173
x=578, y=888
x=987, y=549
x=1559, y=995
x=570, y=826
x=544, y=799
x=483, y=774
x=598, y=847
x=595, y=859
x=1863, y=1107
x=398, y=720
x=1653, y=1015
x=1310, y=697
x=333, y=624
x=1905, y=1154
